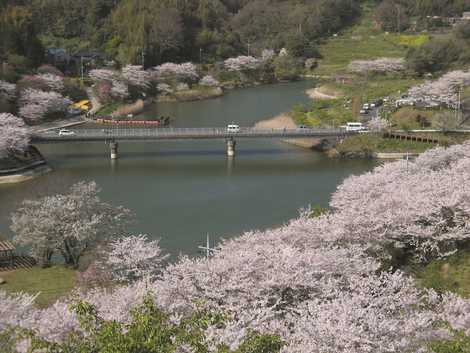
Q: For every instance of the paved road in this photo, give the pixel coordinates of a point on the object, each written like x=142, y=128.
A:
x=151, y=134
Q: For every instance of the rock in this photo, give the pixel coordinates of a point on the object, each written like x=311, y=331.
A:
x=2, y=281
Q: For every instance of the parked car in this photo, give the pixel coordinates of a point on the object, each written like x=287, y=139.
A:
x=364, y=111
x=65, y=132
x=303, y=127
x=233, y=128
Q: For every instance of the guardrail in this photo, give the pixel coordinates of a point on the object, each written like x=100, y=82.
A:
x=131, y=134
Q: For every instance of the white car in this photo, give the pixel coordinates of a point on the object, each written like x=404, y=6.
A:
x=233, y=128
x=354, y=126
x=65, y=132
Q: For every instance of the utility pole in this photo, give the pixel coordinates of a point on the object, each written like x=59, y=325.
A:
x=200, y=55
x=249, y=48
x=209, y=251
x=398, y=18
x=81, y=67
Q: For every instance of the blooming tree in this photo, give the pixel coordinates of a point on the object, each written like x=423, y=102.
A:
x=98, y=75
x=184, y=72
x=242, y=63
x=111, y=84
x=14, y=136
x=68, y=224
x=164, y=88
x=119, y=89
x=378, y=65
x=377, y=124
x=7, y=90
x=443, y=90
x=133, y=257
x=422, y=205
x=209, y=81
x=136, y=76
x=267, y=55
x=53, y=82
x=314, y=282
x=49, y=69
x=36, y=104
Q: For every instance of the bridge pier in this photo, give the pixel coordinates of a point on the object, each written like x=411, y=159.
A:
x=114, y=149
x=231, y=147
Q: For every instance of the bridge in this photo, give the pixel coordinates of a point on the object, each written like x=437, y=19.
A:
x=115, y=135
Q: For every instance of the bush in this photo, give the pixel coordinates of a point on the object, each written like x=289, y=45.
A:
x=436, y=55
x=286, y=67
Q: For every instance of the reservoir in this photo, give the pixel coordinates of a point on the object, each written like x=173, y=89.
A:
x=180, y=191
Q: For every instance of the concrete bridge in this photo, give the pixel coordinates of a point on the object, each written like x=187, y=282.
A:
x=115, y=135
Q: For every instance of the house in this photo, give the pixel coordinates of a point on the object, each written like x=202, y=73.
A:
x=7, y=252
x=57, y=55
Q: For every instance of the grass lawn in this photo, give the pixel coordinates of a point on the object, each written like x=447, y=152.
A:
x=451, y=274
x=367, y=143
x=364, y=41
x=52, y=283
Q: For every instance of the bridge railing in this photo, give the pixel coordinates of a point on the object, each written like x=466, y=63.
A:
x=175, y=133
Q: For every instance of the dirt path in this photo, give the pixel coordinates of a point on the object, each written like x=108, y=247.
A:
x=316, y=93
x=278, y=122
x=285, y=121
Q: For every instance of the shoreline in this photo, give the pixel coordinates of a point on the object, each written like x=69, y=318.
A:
x=28, y=173
x=35, y=167
x=319, y=94
x=284, y=120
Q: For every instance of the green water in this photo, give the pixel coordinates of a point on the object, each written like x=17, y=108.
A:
x=183, y=190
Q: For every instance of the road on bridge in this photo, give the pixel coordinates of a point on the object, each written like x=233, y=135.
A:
x=155, y=134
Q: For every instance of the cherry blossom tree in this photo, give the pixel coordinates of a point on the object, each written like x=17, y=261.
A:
x=49, y=69
x=119, y=90
x=53, y=82
x=68, y=224
x=378, y=124
x=443, y=90
x=267, y=55
x=421, y=205
x=133, y=257
x=36, y=104
x=136, y=76
x=7, y=91
x=209, y=81
x=378, y=65
x=14, y=136
x=111, y=84
x=317, y=283
x=242, y=63
x=183, y=72
x=103, y=75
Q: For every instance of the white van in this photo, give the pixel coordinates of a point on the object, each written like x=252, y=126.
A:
x=355, y=126
x=233, y=128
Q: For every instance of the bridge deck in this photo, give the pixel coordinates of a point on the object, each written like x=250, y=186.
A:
x=154, y=134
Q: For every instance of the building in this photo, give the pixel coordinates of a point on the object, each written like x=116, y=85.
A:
x=7, y=253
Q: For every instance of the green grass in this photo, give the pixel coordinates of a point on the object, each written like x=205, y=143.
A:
x=368, y=144
x=364, y=41
x=108, y=109
x=52, y=283
x=377, y=86
x=451, y=274
x=325, y=113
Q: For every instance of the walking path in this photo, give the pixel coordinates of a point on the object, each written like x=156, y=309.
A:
x=59, y=124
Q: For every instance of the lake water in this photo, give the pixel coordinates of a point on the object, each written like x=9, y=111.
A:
x=182, y=190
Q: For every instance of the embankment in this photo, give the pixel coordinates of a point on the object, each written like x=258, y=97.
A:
x=29, y=166
x=285, y=121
